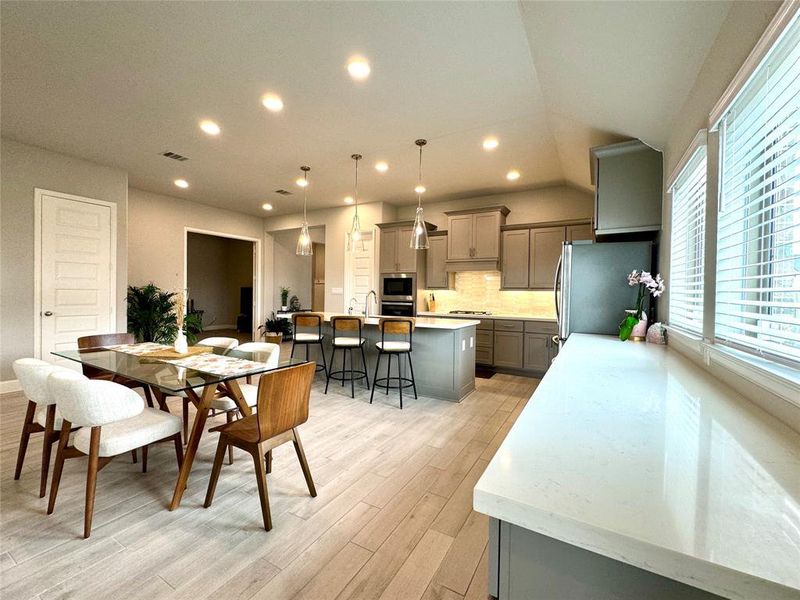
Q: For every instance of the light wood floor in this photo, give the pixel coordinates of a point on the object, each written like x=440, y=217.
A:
x=393, y=517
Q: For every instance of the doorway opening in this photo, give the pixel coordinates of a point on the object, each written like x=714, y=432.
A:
x=221, y=281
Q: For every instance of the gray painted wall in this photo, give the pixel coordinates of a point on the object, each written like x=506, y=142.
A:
x=291, y=270
x=24, y=168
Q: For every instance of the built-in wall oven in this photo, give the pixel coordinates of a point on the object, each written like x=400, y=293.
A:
x=399, y=294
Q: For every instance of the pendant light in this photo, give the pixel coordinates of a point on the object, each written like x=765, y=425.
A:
x=354, y=241
x=419, y=233
x=304, y=247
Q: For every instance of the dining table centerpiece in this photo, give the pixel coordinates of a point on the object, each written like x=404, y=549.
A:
x=634, y=325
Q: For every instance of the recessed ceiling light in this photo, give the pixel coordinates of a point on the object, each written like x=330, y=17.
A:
x=272, y=102
x=210, y=127
x=358, y=67
x=490, y=143
x=381, y=166
x=266, y=206
x=182, y=183
x=302, y=182
x=420, y=189
x=512, y=175
x=348, y=199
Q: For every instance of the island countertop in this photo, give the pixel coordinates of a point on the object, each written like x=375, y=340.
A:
x=421, y=322
x=632, y=452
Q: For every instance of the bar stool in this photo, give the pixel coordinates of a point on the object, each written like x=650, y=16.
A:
x=305, y=338
x=346, y=343
x=395, y=326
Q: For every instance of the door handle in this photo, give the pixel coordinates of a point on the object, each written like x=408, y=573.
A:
x=48, y=313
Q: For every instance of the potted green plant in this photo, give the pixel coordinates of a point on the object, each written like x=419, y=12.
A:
x=284, y=298
x=275, y=328
x=152, y=317
x=634, y=325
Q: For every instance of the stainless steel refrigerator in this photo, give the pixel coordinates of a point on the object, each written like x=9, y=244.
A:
x=591, y=286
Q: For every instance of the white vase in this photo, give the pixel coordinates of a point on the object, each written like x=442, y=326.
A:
x=181, y=345
x=639, y=333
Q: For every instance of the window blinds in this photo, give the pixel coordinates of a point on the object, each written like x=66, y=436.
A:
x=687, y=235
x=758, y=227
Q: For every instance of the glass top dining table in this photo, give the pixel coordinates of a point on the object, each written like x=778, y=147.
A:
x=170, y=375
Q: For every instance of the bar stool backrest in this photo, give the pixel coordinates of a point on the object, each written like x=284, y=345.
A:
x=307, y=320
x=98, y=341
x=346, y=323
x=396, y=326
x=283, y=399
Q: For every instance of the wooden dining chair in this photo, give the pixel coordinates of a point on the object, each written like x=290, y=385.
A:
x=282, y=407
x=113, y=421
x=41, y=415
x=111, y=339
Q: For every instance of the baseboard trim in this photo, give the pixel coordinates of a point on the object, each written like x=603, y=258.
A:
x=216, y=327
x=9, y=387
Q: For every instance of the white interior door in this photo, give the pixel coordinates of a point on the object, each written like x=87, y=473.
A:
x=360, y=274
x=77, y=272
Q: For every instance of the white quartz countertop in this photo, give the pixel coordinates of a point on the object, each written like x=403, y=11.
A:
x=421, y=322
x=515, y=317
x=633, y=452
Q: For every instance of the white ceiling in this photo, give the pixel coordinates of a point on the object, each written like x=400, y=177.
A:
x=120, y=82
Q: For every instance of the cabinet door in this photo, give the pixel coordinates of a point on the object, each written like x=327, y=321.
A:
x=486, y=236
x=406, y=255
x=459, y=237
x=436, y=275
x=579, y=232
x=388, y=250
x=537, y=351
x=508, y=349
x=514, y=266
x=544, y=252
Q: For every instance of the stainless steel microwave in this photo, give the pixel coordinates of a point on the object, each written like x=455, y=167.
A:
x=399, y=287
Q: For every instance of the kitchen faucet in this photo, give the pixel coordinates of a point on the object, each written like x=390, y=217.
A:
x=366, y=303
x=350, y=307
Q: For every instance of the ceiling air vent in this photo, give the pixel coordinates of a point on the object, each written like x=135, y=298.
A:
x=283, y=192
x=174, y=156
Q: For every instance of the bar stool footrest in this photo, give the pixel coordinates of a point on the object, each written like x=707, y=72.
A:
x=381, y=382
x=345, y=375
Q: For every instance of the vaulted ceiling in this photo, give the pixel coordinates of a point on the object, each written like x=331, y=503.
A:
x=121, y=82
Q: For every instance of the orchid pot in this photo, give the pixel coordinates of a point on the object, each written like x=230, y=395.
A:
x=634, y=325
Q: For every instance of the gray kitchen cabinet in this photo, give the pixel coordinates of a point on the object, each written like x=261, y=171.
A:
x=508, y=347
x=473, y=240
x=388, y=248
x=406, y=255
x=459, y=237
x=537, y=351
x=437, y=277
x=545, y=249
x=396, y=254
x=579, y=232
x=628, y=188
x=486, y=240
x=514, y=265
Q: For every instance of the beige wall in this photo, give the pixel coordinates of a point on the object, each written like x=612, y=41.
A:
x=156, y=234
x=290, y=270
x=24, y=168
x=218, y=268
x=337, y=223
x=553, y=203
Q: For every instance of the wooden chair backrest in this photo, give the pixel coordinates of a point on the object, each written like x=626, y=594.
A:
x=283, y=399
x=102, y=339
x=397, y=325
x=307, y=319
x=346, y=323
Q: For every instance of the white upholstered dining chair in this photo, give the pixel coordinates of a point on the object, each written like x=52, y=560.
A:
x=113, y=421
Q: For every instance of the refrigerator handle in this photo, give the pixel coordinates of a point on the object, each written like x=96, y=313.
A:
x=556, y=281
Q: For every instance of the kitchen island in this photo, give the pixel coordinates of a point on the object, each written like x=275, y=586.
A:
x=443, y=355
x=633, y=473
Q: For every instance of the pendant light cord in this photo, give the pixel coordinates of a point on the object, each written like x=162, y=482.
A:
x=305, y=197
x=419, y=195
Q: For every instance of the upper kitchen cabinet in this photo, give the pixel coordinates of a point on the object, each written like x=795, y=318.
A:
x=473, y=239
x=436, y=276
x=514, y=265
x=545, y=250
x=628, y=189
x=396, y=254
x=580, y=232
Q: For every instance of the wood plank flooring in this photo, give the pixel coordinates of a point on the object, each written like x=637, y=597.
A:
x=393, y=518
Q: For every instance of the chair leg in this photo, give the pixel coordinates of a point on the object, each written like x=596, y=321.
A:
x=328, y=374
x=301, y=456
x=413, y=379
x=134, y=457
x=400, y=380
x=144, y=458
x=47, y=445
x=148, y=396
x=212, y=482
x=63, y=438
x=229, y=419
x=185, y=418
x=388, y=373
x=91, y=480
x=364, y=362
x=344, y=363
x=375, y=377
x=30, y=411
x=178, y=449
x=263, y=495
x=352, y=379
x=324, y=362
x=268, y=459
x=294, y=345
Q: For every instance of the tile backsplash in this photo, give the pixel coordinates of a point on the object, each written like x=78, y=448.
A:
x=480, y=290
